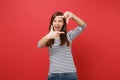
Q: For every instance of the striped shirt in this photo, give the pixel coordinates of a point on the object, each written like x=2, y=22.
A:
x=61, y=60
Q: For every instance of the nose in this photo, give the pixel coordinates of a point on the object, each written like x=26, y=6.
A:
x=57, y=23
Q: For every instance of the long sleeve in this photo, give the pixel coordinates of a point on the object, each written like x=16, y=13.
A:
x=72, y=34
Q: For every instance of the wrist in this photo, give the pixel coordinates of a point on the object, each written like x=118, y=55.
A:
x=73, y=16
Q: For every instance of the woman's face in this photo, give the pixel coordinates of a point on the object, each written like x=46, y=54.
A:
x=58, y=23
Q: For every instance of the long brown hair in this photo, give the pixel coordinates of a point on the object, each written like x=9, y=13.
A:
x=63, y=37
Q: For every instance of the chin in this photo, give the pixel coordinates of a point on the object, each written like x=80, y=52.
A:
x=57, y=29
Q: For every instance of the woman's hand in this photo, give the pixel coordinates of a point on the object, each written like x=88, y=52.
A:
x=68, y=15
x=53, y=34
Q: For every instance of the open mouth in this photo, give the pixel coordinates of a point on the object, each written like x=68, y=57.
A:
x=57, y=28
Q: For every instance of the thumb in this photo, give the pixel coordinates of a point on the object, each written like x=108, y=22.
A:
x=51, y=28
x=69, y=17
x=67, y=20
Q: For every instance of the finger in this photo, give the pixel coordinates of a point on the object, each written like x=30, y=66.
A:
x=60, y=32
x=51, y=29
x=66, y=14
x=67, y=20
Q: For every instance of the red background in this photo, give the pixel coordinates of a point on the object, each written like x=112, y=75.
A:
x=23, y=22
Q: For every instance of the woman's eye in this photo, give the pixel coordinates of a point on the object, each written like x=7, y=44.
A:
x=60, y=21
x=54, y=21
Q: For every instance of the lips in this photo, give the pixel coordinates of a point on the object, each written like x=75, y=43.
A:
x=57, y=28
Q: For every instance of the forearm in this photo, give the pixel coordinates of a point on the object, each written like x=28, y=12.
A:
x=43, y=42
x=78, y=20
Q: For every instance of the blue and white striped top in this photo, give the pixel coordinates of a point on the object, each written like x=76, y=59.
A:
x=61, y=60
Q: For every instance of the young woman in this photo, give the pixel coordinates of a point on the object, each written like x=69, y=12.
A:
x=59, y=43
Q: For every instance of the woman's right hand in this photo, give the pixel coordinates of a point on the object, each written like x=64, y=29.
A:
x=53, y=34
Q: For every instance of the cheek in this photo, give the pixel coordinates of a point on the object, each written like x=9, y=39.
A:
x=53, y=23
x=61, y=27
x=61, y=24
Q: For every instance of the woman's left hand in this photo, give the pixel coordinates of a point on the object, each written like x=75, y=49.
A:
x=68, y=15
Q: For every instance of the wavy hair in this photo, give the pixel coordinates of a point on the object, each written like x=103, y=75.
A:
x=63, y=37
